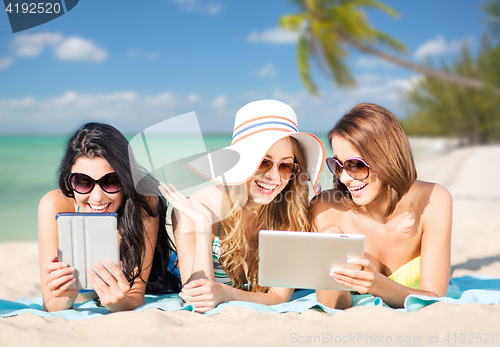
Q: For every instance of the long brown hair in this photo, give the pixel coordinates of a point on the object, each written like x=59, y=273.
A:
x=102, y=140
x=380, y=139
x=287, y=211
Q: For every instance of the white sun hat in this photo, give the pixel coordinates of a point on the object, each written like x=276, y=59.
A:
x=257, y=127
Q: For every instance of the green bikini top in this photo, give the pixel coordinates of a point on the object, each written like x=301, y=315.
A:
x=219, y=273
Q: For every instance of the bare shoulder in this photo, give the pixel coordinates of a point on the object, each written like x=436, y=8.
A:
x=56, y=201
x=433, y=200
x=51, y=204
x=328, y=200
x=325, y=211
x=433, y=192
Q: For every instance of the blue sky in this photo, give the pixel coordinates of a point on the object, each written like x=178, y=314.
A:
x=135, y=63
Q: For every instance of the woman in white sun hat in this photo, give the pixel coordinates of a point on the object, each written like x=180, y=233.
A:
x=216, y=229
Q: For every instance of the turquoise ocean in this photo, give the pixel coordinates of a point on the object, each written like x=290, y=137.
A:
x=29, y=169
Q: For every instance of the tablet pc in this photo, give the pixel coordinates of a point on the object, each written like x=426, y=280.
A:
x=296, y=259
x=85, y=238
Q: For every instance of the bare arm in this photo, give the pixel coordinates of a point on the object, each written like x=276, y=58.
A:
x=322, y=218
x=435, y=258
x=55, y=277
x=206, y=294
x=192, y=222
x=435, y=261
x=193, y=235
x=117, y=295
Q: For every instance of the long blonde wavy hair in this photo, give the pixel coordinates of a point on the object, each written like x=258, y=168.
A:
x=287, y=211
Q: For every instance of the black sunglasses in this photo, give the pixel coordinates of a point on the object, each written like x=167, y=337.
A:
x=357, y=168
x=84, y=184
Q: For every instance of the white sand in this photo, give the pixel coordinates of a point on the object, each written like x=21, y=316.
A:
x=468, y=173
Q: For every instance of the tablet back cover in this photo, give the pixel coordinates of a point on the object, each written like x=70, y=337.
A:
x=295, y=259
x=85, y=238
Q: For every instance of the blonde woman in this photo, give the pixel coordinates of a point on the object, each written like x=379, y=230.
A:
x=216, y=229
x=407, y=222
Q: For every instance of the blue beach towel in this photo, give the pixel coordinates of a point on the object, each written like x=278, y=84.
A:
x=463, y=290
x=88, y=309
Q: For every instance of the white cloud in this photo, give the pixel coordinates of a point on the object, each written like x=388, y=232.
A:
x=6, y=62
x=273, y=36
x=15, y=103
x=192, y=98
x=126, y=110
x=31, y=45
x=79, y=49
x=200, y=6
x=267, y=71
x=153, y=56
x=131, y=112
x=65, y=49
x=439, y=46
x=252, y=95
x=220, y=101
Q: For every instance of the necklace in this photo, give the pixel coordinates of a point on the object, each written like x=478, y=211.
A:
x=249, y=209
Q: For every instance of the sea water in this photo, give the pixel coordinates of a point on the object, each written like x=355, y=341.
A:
x=29, y=169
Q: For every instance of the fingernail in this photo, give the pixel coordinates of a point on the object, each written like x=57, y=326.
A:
x=350, y=261
x=332, y=271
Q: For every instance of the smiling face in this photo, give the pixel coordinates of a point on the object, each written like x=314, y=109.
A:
x=97, y=201
x=262, y=189
x=364, y=191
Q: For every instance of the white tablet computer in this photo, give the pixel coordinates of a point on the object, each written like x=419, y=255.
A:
x=296, y=259
x=85, y=238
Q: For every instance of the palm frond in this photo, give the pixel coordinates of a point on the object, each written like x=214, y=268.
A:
x=390, y=41
x=374, y=4
x=303, y=52
x=293, y=22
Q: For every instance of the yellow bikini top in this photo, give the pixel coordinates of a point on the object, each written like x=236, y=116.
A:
x=408, y=275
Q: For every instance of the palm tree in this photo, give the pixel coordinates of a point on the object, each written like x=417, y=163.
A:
x=492, y=9
x=327, y=27
x=435, y=107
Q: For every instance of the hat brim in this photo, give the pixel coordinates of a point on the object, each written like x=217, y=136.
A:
x=237, y=163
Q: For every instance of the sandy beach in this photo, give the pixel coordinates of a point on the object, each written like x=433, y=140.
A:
x=465, y=171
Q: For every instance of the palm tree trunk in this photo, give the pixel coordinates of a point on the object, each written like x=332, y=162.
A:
x=443, y=76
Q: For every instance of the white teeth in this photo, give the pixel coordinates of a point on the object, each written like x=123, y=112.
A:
x=355, y=189
x=99, y=208
x=266, y=186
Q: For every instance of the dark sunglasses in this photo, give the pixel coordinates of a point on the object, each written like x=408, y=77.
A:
x=357, y=168
x=84, y=184
x=287, y=171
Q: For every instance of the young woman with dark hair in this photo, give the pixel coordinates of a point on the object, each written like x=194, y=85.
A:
x=96, y=177
x=407, y=222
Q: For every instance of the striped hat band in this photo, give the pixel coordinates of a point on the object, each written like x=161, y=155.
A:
x=264, y=123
